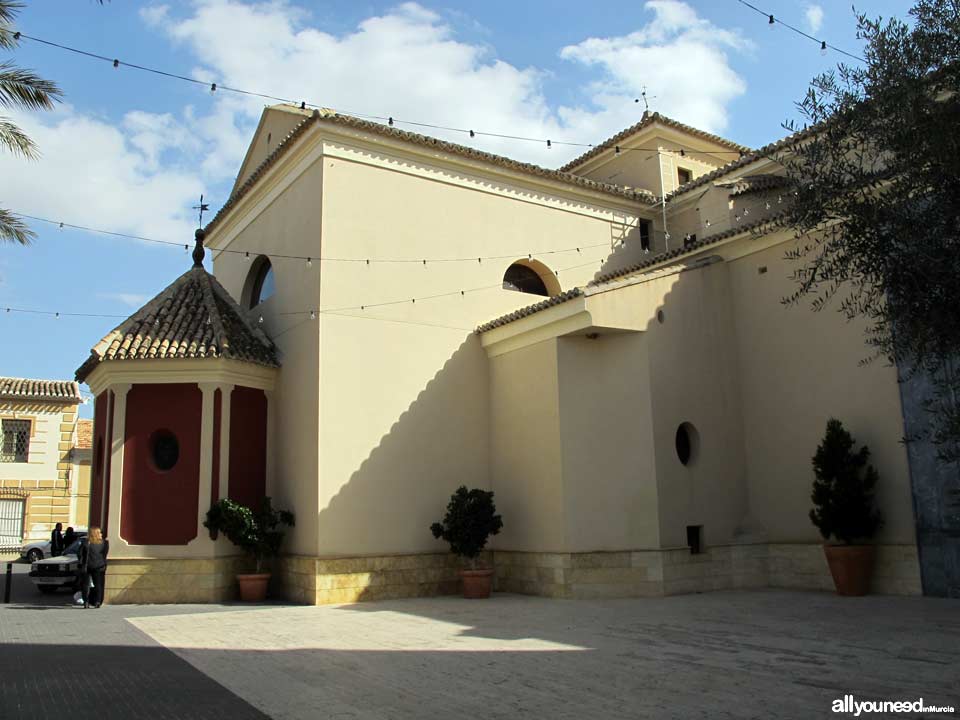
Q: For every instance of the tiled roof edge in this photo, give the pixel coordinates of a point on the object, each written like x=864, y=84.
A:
x=772, y=221
x=426, y=141
x=63, y=386
x=531, y=309
x=750, y=157
x=648, y=119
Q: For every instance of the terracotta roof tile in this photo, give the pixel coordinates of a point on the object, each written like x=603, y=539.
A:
x=26, y=389
x=750, y=157
x=768, y=222
x=194, y=317
x=763, y=223
x=84, y=435
x=426, y=141
x=756, y=183
x=649, y=119
x=531, y=309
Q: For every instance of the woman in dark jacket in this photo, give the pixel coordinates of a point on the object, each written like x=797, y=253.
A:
x=94, y=563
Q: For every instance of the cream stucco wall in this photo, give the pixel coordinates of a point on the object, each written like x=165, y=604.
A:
x=382, y=412
x=607, y=431
x=756, y=380
x=404, y=394
x=797, y=369
x=525, y=449
x=287, y=221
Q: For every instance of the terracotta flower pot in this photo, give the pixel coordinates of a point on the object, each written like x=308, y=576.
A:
x=477, y=583
x=851, y=567
x=253, y=587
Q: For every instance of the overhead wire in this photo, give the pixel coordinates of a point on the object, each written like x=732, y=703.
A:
x=774, y=20
x=215, y=87
x=320, y=258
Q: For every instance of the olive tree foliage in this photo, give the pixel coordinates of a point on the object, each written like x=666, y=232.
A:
x=876, y=206
x=19, y=89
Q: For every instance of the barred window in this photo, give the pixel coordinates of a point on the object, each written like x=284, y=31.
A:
x=16, y=441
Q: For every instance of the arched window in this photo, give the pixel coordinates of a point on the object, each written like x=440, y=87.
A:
x=530, y=276
x=260, y=282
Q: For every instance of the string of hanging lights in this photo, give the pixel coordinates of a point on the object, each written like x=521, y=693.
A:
x=390, y=120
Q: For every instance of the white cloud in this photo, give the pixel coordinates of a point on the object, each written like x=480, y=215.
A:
x=814, y=16
x=409, y=64
x=95, y=173
x=143, y=172
x=681, y=60
x=135, y=300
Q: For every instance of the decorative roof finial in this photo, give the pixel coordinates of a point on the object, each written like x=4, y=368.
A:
x=198, y=251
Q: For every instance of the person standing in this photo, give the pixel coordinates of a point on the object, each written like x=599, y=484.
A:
x=94, y=563
x=69, y=538
x=56, y=541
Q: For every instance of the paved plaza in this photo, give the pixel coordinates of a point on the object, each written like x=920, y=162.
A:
x=765, y=654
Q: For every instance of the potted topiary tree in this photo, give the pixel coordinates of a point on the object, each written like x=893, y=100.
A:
x=843, y=507
x=471, y=518
x=258, y=533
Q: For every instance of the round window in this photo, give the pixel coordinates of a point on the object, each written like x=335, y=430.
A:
x=164, y=450
x=687, y=443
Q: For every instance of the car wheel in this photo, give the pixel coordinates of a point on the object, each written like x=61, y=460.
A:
x=34, y=555
x=47, y=589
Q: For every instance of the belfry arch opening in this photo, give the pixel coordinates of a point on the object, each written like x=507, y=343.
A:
x=531, y=276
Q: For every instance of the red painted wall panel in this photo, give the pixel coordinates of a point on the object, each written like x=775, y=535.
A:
x=101, y=448
x=248, y=446
x=160, y=507
x=215, y=479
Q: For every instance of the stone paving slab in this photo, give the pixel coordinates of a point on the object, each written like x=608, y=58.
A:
x=766, y=654
x=59, y=661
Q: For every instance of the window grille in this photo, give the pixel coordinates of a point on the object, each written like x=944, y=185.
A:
x=16, y=441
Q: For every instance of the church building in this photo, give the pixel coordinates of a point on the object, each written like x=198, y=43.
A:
x=392, y=316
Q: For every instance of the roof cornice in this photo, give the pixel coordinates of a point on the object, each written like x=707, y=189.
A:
x=648, y=120
x=500, y=163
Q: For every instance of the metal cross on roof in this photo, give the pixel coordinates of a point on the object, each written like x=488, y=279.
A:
x=202, y=207
x=646, y=104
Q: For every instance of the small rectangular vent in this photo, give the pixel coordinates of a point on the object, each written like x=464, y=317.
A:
x=695, y=539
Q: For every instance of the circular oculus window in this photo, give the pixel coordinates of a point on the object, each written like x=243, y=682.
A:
x=687, y=443
x=164, y=450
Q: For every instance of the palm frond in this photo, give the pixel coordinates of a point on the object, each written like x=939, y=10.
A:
x=8, y=11
x=23, y=88
x=16, y=140
x=13, y=229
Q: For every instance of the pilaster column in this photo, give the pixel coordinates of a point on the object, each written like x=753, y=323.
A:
x=226, y=391
x=119, y=428
x=271, y=441
x=206, y=454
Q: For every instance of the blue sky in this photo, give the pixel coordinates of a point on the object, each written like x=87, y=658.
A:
x=130, y=152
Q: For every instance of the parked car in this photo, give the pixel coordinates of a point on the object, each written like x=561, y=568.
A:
x=62, y=571
x=41, y=548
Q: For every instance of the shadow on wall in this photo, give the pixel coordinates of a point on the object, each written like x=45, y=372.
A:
x=437, y=444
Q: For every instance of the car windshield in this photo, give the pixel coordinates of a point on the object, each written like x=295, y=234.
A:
x=74, y=549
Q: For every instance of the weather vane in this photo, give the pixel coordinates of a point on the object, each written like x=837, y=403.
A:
x=202, y=207
x=646, y=104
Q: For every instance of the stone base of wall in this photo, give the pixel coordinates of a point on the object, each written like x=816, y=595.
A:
x=658, y=573
x=802, y=566
x=182, y=580
x=319, y=581
x=640, y=573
